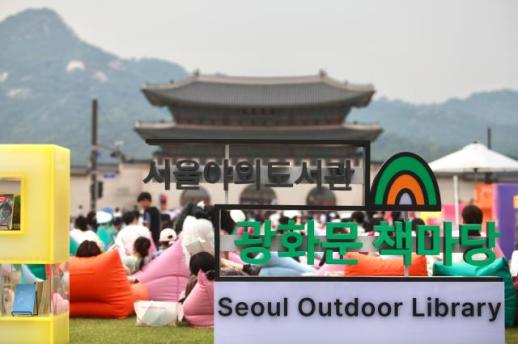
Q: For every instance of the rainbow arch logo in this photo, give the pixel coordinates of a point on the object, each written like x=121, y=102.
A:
x=405, y=182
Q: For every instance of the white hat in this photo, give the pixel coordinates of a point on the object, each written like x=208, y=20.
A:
x=103, y=217
x=197, y=235
x=292, y=213
x=275, y=218
x=237, y=215
x=345, y=214
x=167, y=235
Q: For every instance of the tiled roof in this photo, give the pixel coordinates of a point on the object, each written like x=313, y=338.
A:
x=232, y=91
x=326, y=132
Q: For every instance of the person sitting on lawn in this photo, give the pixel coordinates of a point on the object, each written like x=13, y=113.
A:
x=198, y=304
x=105, y=230
x=88, y=249
x=167, y=237
x=472, y=215
x=140, y=257
x=82, y=232
x=203, y=261
x=129, y=233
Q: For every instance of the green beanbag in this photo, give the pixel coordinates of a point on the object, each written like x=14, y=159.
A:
x=38, y=270
x=73, y=247
x=498, y=268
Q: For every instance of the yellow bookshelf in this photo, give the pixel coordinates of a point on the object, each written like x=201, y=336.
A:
x=40, y=176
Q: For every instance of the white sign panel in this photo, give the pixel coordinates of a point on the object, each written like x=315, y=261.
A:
x=359, y=312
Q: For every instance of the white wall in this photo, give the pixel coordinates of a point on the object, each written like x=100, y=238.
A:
x=123, y=189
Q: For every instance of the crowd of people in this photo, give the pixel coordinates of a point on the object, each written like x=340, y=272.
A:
x=140, y=236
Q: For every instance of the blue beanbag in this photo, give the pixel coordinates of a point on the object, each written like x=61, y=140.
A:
x=284, y=266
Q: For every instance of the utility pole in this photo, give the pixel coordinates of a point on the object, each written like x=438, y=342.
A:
x=93, y=159
x=489, y=137
x=487, y=176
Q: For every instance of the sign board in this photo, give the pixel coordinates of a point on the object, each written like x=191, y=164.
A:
x=405, y=182
x=309, y=309
x=383, y=310
x=109, y=175
x=340, y=166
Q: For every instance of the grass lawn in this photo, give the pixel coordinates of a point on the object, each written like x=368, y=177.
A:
x=511, y=335
x=124, y=331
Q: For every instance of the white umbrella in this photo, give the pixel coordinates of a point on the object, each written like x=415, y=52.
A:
x=473, y=158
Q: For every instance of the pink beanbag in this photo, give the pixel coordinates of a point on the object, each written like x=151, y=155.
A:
x=498, y=251
x=304, y=260
x=166, y=276
x=234, y=257
x=324, y=269
x=198, y=308
x=330, y=268
x=59, y=304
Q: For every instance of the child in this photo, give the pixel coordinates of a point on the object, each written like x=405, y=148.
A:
x=140, y=256
x=203, y=261
x=167, y=237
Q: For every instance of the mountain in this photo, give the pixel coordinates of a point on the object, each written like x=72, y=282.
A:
x=48, y=77
x=433, y=130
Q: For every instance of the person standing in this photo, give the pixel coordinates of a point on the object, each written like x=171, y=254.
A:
x=151, y=215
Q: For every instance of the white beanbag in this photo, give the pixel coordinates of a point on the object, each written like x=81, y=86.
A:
x=156, y=313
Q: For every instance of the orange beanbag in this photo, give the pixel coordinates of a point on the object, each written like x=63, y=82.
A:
x=369, y=265
x=100, y=288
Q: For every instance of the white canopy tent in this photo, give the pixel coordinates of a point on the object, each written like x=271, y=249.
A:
x=473, y=158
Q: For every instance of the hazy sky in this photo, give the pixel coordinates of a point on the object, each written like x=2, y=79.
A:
x=419, y=50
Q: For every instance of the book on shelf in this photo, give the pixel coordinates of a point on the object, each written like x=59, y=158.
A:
x=6, y=303
x=19, y=299
x=7, y=284
x=6, y=211
x=24, y=300
x=43, y=297
x=1, y=293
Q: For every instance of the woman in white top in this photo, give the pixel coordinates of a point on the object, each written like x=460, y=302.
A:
x=127, y=236
x=81, y=232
